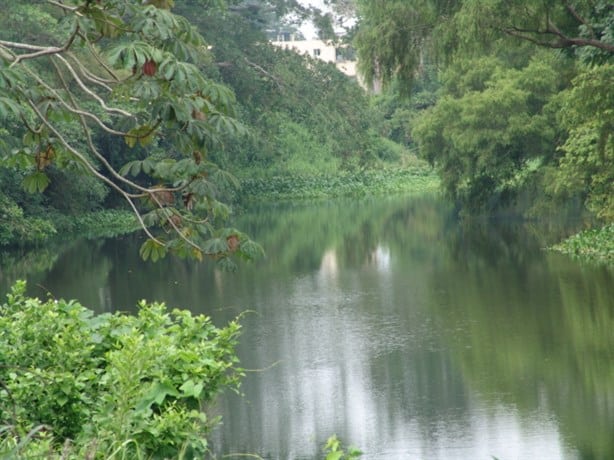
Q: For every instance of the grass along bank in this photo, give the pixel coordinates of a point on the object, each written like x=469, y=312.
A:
x=364, y=182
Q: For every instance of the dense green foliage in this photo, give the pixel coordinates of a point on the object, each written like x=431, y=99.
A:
x=587, y=114
x=304, y=116
x=490, y=130
x=365, y=182
x=77, y=385
x=124, y=112
x=524, y=116
x=51, y=223
x=335, y=450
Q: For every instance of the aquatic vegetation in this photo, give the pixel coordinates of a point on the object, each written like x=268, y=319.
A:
x=595, y=244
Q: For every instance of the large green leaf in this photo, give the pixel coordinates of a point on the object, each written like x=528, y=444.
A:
x=152, y=250
x=36, y=182
x=9, y=107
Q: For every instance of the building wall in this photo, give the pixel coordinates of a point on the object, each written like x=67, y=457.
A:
x=319, y=49
x=325, y=51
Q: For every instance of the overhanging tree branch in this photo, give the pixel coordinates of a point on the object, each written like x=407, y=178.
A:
x=92, y=93
x=164, y=102
x=39, y=51
x=562, y=40
x=93, y=169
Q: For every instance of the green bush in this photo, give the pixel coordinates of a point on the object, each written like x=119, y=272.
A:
x=16, y=228
x=335, y=450
x=108, y=384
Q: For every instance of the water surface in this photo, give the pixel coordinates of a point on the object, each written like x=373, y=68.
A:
x=387, y=322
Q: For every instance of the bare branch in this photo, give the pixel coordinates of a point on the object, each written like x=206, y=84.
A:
x=71, y=108
x=92, y=93
x=97, y=58
x=64, y=7
x=562, y=41
x=82, y=157
x=264, y=72
x=26, y=46
x=38, y=51
x=89, y=76
x=579, y=18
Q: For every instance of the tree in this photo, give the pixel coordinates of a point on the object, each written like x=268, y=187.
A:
x=554, y=24
x=131, y=70
x=392, y=37
x=474, y=136
x=587, y=112
x=490, y=130
x=304, y=116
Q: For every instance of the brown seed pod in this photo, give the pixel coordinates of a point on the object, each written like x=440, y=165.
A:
x=233, y=243
x=198, y=115
x=45, y=157
x=175, y=219
x=150, y=67
x=163, y=197
x=188, y=200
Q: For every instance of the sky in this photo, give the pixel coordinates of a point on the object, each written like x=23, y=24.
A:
x=309, y=30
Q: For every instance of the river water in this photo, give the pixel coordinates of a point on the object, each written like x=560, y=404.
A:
x=389, y=323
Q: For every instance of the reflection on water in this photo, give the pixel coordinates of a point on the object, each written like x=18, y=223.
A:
x=392, y=325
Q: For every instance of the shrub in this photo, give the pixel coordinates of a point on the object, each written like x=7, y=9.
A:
x=109, y=383
x=16, y=228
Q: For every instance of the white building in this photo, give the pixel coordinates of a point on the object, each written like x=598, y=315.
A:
x=324, y=50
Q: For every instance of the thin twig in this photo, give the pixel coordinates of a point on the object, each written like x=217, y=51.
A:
x=64, y=7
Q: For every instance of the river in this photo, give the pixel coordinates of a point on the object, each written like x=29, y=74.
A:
x=388, y=322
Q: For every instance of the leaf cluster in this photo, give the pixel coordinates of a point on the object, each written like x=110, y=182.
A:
x=586, y=111
x=335, y=450
x=301, y=113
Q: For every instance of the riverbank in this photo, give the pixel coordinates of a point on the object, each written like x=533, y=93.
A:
x=594, y=245
x=22, y=231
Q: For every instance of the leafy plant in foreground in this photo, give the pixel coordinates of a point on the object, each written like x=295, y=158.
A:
x=102, y=384
x=335, y=450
